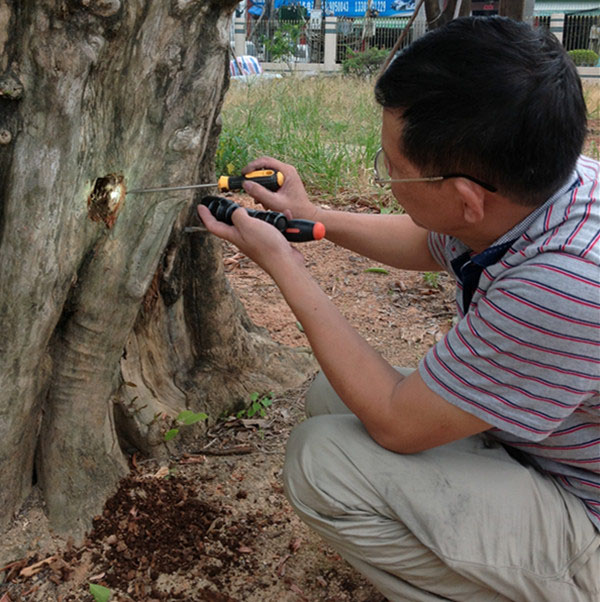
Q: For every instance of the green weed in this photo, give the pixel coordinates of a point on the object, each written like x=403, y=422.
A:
x=258, y=405
x=185, y=418
x=432, y=279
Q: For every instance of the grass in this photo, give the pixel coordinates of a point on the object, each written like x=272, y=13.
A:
x=328, y=128
x=591, y=94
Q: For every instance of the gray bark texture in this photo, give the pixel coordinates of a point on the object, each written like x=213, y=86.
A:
x=112, y=319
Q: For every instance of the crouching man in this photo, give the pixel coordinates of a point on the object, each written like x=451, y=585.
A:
x=477, y=476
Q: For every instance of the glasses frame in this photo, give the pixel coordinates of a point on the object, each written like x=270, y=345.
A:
x=381, y=181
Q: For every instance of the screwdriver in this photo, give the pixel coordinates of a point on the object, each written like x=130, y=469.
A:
x=295, y=230
x=269, y=178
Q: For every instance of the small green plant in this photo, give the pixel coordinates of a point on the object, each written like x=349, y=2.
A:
x=185, y=418
x=583, y=57
x=100, y=593
x=432, y=279
x=364, y=64
x=258, y=405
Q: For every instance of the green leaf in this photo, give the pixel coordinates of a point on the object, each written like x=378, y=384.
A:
x=255, y=407
x=266, y=401
x=377, y=270
x=171, y=434
x=254, y=396
x=187, y=417
x=300, y=327
x=100, y=593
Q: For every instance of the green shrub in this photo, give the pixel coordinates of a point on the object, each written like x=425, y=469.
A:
x=583, y=57
x=282, y=45
x=365, y=63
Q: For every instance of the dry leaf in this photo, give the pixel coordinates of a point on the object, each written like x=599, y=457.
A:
x=250, y=422
x=295, y=544
x=193, y=460
x=298, y=591
x=96, y=577
x=162, y=472
x=281, y=566
x=245, y=550
x=33, y=569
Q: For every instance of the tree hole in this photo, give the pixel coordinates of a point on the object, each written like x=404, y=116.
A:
x=106, y=199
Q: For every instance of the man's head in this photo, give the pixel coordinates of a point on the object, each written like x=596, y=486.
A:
x=490, y=97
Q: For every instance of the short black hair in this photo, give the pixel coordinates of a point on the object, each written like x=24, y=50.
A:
x=491, y=97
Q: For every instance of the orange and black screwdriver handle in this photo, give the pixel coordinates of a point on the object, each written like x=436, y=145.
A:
x=295, y=230
x=269, y=178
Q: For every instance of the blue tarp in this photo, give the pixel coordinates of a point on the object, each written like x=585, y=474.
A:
x=256, y=8
x=345, y=8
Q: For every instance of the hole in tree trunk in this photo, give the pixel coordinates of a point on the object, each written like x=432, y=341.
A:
x=106, y=199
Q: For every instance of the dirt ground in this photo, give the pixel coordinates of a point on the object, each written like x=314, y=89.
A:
x=214, y=524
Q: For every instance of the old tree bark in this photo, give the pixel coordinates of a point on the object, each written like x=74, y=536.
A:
x=112, y=319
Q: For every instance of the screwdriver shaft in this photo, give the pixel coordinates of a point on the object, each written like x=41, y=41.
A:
x=169, y=188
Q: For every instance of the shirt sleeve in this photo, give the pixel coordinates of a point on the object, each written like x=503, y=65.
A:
x=526, y=355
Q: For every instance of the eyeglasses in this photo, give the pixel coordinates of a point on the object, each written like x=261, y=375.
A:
x=382, y=175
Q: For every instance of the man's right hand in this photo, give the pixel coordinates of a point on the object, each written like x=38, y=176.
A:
x=291, y=199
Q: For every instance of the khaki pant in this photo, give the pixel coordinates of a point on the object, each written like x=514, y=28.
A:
x=464, y=521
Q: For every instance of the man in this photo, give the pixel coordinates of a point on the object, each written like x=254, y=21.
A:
x=477, y=476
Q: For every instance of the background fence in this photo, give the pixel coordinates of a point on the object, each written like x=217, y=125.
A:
x=324, y=45
x=581, y=31
x=295, y=41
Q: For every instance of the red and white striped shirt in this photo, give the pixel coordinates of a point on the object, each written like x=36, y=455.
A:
x=526, y=355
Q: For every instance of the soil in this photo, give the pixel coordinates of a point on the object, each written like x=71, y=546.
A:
x=214, y=524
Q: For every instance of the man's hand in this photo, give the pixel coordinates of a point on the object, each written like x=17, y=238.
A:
x=260, y=241
x=291, y=199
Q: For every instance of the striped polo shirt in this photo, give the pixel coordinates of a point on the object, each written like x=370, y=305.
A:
x=525, y=357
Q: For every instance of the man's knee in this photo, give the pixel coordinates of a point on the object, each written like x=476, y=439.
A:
x=314, y=461
x=302, y=449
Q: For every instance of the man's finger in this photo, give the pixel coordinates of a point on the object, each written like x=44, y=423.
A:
x=264, y=162
x=216, y=227
x=262, y=195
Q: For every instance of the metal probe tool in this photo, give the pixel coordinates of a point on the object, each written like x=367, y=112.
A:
x=269, y=178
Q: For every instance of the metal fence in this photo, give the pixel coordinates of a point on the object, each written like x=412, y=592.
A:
x=578, y=31
x=360, y=34
x=303, y=41
x=542, y=21
x=581, y=31
x=292, y=41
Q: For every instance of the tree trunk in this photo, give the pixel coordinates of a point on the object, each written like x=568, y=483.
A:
x=113, y=320
x=519, y=10
x=438, y=16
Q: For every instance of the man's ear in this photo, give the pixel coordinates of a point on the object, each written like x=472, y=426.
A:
x=473, y=200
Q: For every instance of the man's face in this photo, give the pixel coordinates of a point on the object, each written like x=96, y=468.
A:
x=427, y=203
